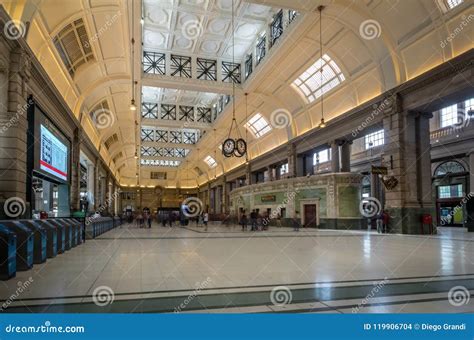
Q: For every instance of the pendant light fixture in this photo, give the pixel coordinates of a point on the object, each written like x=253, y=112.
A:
x=234, y=147
x=133, y=107
x=322, y=124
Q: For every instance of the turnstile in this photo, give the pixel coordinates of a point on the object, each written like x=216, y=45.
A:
x=40, y=233
x=67, y=232
x=75, y=230
x=78, y=227
x=24, y=244
x=7, y=253
x=60, y=235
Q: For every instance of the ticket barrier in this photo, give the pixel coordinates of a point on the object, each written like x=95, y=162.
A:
x=7, y=253
x=24, y=244
x=70, y=232
x=67, y=232
x=39, y=240
x=77, y=230
x=45, y=240
x=60, y=235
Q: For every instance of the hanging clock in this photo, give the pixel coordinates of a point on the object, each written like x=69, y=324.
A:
x=228, y=147
x=240, y=147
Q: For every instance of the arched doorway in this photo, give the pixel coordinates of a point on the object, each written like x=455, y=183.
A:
x=450, y=183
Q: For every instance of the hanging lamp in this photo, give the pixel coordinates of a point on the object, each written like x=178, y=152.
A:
x=234, y=147
x=133, y=106
x=322, y=124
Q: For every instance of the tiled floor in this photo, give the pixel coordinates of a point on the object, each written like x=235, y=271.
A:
x=226, y=270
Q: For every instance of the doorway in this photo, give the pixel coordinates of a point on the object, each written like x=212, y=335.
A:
x=310, y=215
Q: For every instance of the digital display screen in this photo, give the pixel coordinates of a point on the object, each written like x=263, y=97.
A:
x=53, y=154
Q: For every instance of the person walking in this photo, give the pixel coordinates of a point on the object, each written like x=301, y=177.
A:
x=379, y=221
x=296, y=223
x=253, y=220
x=205, y=220
x=243, y=222
x=385, y=220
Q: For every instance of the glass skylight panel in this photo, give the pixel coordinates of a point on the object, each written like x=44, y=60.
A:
x=211, y=162
x=258, y=125
x=309, y=82
x=453, y=3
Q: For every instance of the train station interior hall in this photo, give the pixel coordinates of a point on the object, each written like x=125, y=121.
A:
x=236, y=156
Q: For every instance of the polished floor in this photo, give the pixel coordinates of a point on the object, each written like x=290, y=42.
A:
x=227, y=270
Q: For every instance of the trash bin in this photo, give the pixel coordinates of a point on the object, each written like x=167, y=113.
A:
x=7, y=253
x=67, y=230
x=60, y=235
x=41, y=234
x=24, y=244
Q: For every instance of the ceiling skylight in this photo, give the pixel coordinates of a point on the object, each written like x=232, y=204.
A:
x=258, y=125
x=309, y=82
x=211, y=162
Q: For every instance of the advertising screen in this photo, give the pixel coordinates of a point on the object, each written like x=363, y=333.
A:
x=53, y=154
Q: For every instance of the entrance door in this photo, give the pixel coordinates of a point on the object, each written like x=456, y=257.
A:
x=310, y=215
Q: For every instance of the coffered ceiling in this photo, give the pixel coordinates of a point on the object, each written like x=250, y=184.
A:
x=202, y=27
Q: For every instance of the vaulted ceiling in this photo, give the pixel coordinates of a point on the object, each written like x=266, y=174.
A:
x=377, y=44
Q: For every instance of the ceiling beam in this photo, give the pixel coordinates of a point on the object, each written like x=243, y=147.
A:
x=189, y=84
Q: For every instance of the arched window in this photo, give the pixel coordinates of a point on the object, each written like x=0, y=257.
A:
x=450, y=167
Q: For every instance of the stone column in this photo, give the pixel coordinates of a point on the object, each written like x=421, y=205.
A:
x=225, y=196
x=91, y=185
x=15, y=182
x=97, y=194
x=248, y=174
x=471, y=171
x=346, y=156
x=335, y=166
x=408, y=144
x=291, y=156
x=270, y=173
x=75, y=170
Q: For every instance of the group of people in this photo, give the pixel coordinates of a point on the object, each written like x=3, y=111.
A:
x=256, y=221
x=382, y=220
x=168, y=219
x=143, y=219
x=203, y=218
